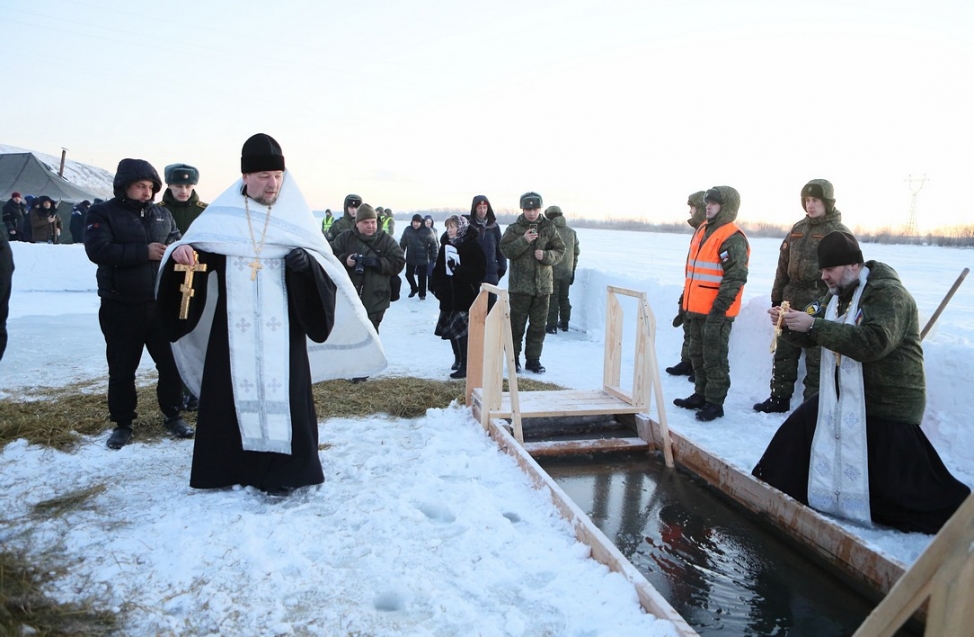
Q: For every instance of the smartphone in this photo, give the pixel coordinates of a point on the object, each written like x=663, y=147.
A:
x=533, y=228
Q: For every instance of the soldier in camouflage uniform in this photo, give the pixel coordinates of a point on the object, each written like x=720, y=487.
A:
x=532, y=245
x=716, y=274
x=180, y=198
x=799, y=281
x=909, y=487
x=346, y=222
x=563, y=274
x=698, y=212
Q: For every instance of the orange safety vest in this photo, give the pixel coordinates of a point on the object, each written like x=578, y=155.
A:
x=704, y=271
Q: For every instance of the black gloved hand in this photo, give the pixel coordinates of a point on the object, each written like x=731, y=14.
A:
x=452, y=263
x=678, y=321
x=372, y=262
x=298, y=260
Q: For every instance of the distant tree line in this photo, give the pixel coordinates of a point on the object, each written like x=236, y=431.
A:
x=953, y=236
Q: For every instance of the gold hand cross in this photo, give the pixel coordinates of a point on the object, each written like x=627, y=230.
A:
x=187, y=287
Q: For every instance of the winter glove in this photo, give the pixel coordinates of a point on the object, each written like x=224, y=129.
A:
x=298, y=260
x=372, y=262
x=451, y=263
x=678, y=320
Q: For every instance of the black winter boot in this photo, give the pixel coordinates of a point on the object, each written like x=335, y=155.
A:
x=774, y=405
x=120, y=436
x=709, y=411
x=693, y=401
x=534, y=365
x=456, y=354
x=550, y=329
x=462, y=367
x=178, y=427
x=683, y=368
x=563, y=326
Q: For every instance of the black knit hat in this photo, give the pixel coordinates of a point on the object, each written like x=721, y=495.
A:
x=530, y=201
x=352, y=200
x=418, y=217
x=261, y=152
x=838, y=248
x=181, y=175
x=713, y=196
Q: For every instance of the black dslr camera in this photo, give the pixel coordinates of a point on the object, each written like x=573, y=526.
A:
x=359, y=265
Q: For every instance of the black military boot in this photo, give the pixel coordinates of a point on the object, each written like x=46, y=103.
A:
x=563, y=326
x=550, y=329
x=774, y=405
x=693, y=401
x=709, y=411
x=178, y=427
x=534, y=365
x=120, y=436
x=683, y=368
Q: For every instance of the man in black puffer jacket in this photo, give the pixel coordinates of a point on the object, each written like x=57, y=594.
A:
x=126, y=237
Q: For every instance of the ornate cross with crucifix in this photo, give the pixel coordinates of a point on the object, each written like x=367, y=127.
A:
x=254, y=266
x=187, y=287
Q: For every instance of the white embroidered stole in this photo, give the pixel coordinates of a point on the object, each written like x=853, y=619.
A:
x=257, y=321
x=838, y=476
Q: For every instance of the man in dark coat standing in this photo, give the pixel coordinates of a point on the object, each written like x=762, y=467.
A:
x=14, y=212
x=484, y=221
x=77, y=224
x=270, y=285
x=126, y=237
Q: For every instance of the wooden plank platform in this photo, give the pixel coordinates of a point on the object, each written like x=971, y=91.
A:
x=554, y=404
x=570, y=447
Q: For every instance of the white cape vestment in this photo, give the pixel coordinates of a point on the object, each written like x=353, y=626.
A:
x=257, y=317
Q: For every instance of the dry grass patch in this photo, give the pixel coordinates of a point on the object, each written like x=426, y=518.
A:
x=57, y=417
x=26, y=610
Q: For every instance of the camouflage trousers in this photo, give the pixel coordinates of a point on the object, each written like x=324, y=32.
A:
x=685, y=350
x=528, y=311
x=708, y=344
x=785, y=371
x=558, y=302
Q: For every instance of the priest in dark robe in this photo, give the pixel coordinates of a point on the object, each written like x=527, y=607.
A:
x=272, y=312
x=856, y=449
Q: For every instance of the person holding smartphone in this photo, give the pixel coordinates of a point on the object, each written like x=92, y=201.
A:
x=532, y=245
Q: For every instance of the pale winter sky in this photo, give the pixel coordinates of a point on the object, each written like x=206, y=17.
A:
x=610, y=108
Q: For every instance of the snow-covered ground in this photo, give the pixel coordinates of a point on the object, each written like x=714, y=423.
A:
x=422, y=527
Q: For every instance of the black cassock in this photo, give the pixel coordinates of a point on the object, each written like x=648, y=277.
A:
x=910, y=489
x=219, y=459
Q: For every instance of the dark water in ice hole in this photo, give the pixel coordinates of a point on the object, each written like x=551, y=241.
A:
x=721, y=569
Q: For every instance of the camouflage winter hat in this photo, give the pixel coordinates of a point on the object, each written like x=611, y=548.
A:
x=552, y=211
x=820, y=189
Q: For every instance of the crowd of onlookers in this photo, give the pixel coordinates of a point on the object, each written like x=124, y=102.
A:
x=36, y=220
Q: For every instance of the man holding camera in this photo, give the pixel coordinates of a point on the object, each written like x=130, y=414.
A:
x=533, y=245
x=371, y=257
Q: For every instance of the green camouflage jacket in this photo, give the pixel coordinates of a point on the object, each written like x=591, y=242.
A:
x=343, y=223
x=798, y=279
x=885, y=339
x=565, y=269
x=525, y=274
x=373, y=285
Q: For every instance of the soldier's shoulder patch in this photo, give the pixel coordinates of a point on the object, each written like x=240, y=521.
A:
x=200, y=204
x=784, y=245
x=724, y=256
x=813, y=309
